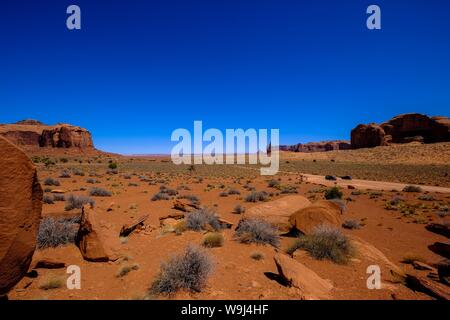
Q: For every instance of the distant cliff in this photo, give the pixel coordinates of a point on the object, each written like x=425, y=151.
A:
x=317, y=146
x=405, y=128
x=34, y=135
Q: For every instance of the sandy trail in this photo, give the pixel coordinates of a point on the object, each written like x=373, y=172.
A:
x=360, y=184
x=368, y=184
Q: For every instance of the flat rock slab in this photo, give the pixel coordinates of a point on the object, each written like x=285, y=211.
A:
x=299, y=276
x=278, y=212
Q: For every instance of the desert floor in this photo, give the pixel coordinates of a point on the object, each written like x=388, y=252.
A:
x=398, y=234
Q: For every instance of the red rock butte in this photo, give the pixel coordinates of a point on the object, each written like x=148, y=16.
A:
x=411, y=127
x=33, y=135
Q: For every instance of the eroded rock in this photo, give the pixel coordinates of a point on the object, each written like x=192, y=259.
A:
x=20, y=214
x=278, y=212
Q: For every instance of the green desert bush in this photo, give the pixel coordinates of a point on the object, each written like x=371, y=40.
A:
x=213, y=239
x=256, y=231
x=333, y=193
x=325, y=242
x=188, y=271
x=112, y=166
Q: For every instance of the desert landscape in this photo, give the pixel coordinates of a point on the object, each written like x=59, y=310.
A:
x=224, y=159
x=140, y=227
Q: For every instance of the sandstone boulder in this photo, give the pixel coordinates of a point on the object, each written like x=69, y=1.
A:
x=278, y=212
x=20, y=214
x=321, y=212
x=368, y=136
x=89, y=238
x=299, y=276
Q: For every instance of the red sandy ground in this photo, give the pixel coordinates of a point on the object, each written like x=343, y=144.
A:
x=236, y=275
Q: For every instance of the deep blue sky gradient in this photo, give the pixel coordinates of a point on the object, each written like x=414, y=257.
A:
x=140, y=69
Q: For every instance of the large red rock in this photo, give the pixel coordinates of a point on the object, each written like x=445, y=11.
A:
x=419, y=127
x=277, y=212
x=66, y=136
x=32, y=135
x=368, y=136
x=301, y=277
x=321, y=212
x=405, y=128
x=20, y=214
x=89, y=239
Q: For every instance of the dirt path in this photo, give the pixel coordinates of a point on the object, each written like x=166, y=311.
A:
x=360, y=184
x=368, y=184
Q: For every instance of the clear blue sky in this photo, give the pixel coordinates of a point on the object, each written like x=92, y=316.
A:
x=140, y=69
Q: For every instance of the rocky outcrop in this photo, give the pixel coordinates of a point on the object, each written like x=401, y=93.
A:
x=278, y=212
x=368, y=136
x=23, y=138
x=89, y=238
x=30, y=122
x=20, y=214
x=321, y=212
x=32, y=134
x=407, y=127
x=317, y=146
x=66, y=136
x=412, y=127
x=299, y=276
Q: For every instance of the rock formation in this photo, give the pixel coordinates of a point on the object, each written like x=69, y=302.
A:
x=317, y=146
x=402, y=129
x=277, y=212
x=32, y=134
x=368, y=136
x=408, y=127
x=301, y=277
x=20, y=214
x=321, y=212
x=66, y=136
x=89, y=239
